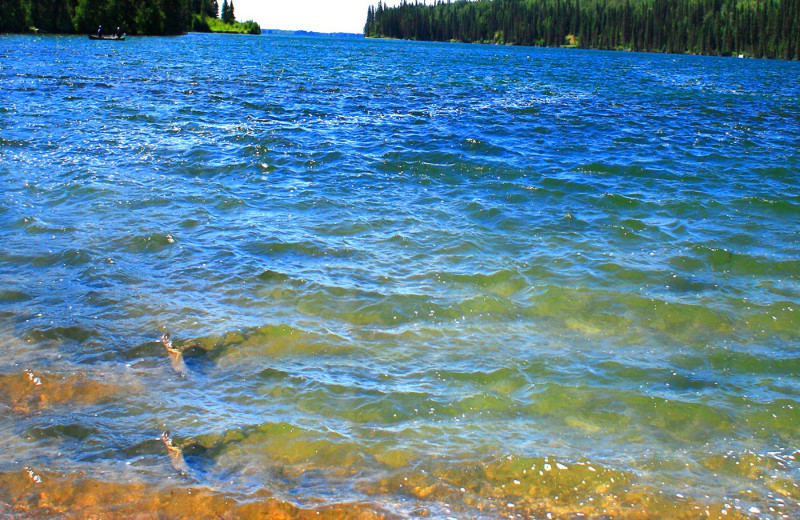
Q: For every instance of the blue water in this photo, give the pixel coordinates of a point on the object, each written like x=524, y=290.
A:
x=416, y=279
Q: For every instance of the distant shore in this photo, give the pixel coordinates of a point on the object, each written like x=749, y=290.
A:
x=284, y=32
x=769, y=29
x=489, y=42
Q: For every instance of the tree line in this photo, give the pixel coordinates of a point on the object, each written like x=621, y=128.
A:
x=757, y=28
x=133, y=16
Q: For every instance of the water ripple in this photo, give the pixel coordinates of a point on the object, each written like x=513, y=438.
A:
x=433, y=279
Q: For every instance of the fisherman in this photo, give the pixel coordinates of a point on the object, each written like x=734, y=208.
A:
x=100, y=32
x=118, y=34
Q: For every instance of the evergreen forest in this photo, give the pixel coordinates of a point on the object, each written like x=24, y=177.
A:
x=754, y=28
x=145, y=17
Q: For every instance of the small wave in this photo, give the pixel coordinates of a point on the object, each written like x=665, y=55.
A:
x=617, y=200
x=682, y=284
x=269, y=275
x=12, y=295
x=563, y=185
x=230, y=203
x=502, y=380
x=691, y=379
x=786, y=205
x=61, y=432
x=37, y=226
x=143, y=118
x=263, y=341
x=276, y=248
x=281, y=376
x=67, y=257
x=14, y=143
x=601, y=311
x=622, y=170
x=480, y=147
x=145, y=243
x=504, y=283
x=73, y=333
x=723, y=259
x=525, y=110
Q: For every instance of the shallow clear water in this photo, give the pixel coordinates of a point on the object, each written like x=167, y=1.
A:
x=421, y=279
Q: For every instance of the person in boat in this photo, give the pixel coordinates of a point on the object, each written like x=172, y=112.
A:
x=118, y=33
x=100, y=32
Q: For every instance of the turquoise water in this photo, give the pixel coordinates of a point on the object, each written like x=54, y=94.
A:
x=418, y=280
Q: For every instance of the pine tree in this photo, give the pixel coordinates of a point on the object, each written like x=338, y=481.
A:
x=225, y=11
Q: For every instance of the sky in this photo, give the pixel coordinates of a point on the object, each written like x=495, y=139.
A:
x=307, y=15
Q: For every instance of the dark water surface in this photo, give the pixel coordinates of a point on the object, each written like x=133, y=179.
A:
x=422, y=280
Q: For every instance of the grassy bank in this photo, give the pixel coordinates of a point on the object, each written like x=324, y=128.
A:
x=202, y=23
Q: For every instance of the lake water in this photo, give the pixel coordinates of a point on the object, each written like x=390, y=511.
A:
x=413, y=280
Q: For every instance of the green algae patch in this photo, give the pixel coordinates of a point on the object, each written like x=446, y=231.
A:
x=279, y=445
x=392, y=458
x=231, y=338
x=600, y=312
x=781, y=417
x=267, y=340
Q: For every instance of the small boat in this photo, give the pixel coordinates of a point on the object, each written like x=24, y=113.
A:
x=110, y=37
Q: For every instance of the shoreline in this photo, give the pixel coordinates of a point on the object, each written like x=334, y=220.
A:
x=498, y=44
